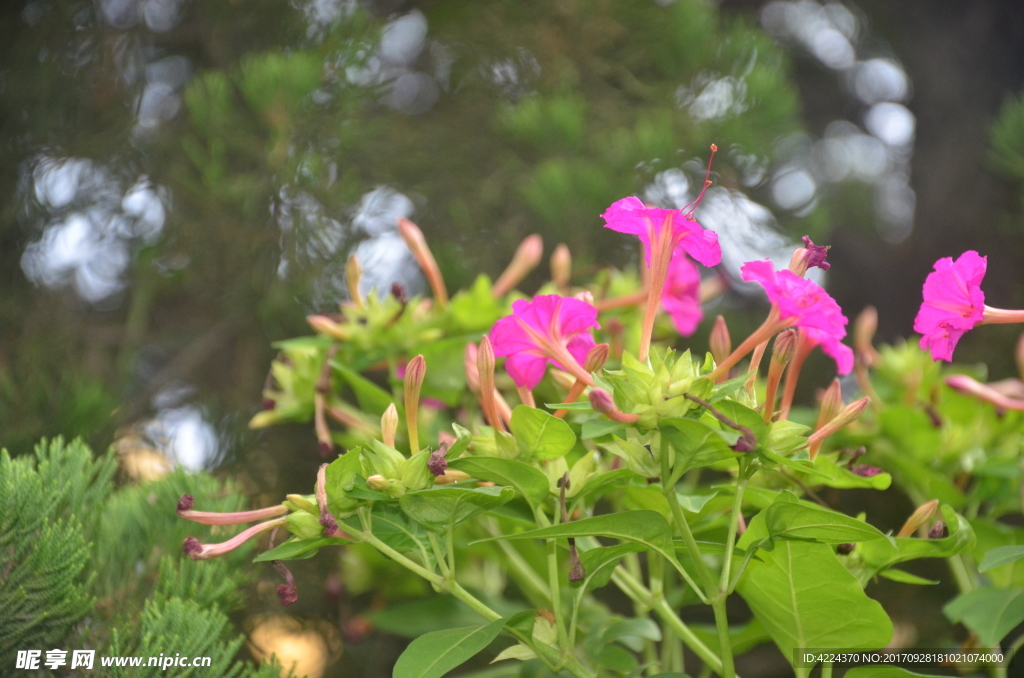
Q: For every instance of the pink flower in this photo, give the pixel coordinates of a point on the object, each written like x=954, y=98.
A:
x=831, y=346
x=547, y=329
x=630, y=215
x=800, y=301
x=953, y=303
x=681, y=295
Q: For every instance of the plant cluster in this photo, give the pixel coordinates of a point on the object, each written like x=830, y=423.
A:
x=600, y=456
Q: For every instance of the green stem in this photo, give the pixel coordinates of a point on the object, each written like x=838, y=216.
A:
x=556, y=592
x=438, y=555
x=532, y=584
x=714, y=595
x=730, y=540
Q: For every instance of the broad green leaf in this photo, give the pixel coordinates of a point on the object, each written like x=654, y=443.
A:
x=530, y=482
x=885, y=672
x=341, y=479
x=639, y=628
x=596, y=428
x=1003, y=555
x=393, y=528
x=742, y=637
x=789, y=520
x=907, y=578
x=616, y=658
x=697, y=443
x=746, y=417
x=371, y=397
x=989, y=612
x=436, y=507
x=539, y=434
x=298, y=549
x=575, y=407
x=436, y=653
x=727, y=388
x=792, y=464
x=882, y=554
x=605, y=482
x=517, y=651
x=599, y=564
x=842, y=478
x=694, y=503
x=446, y=376
x=806, y=598
x=646, y=528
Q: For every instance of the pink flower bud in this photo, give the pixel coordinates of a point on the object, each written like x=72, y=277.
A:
x=417, y=244
x=847, y=415
x=353, y=274
x=322, y=324
x=918, y=518
x=719, y=340
x=526, y=258
x=561, y=267
x=602, y=401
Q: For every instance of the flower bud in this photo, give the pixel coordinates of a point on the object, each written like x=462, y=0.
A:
x=596, y=358
x=719, y=341
x=398, y=292
x=302, y=503
x=389, y=425
x=322, y=324
x=186, y=502
x=602, y=401
x=616, y=335
x=971, y=387
x=782, y=353
x=937, y=531
x=417, y=244
x=561, y=267
x=437, y=464
x=847, y=415
x=485, y=367
x=323, y=434
x=327, y=520
x=378, y=483
x=353, y=274
x=526, y=258
x=586, y=296
x=865, y=470
x=415, y=372
x=304, y=525
x=831, y=403
x=864, y=328
x=919, y=517
x=472, y=373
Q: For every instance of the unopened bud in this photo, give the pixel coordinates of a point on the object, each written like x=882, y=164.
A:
x=398, y=292
x=417, y=244
x=437, y=464
x=561, y=267
x=616, y=334
x=719, y=341
x=322, y=324
x=415, y=372
x=782, y=353
x=596, y=358
x=846, y=416
x=526, y=258
x=937, y=531
x=831, y=403
x=301, y=503
x=845, y=549
x=287, y=594
x=864, y=328
x=586, y=296
x=327, y=520
x=389, y=425
x=784, y=347
x=918, y=518
x=602, y=401
x=353, y=274
x=323, y=434
x=472, y=372
x=378, y=483
x=576, y=571
x=485, y=367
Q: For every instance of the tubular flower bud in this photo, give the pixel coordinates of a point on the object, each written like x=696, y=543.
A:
x=617, y=335
x=417, y=244
x=847, y=415
x=327, y=520
x=526, y=258
x=864, y=328
x=415, y=372
x=602, y=401
x=596, y=358
x=353, y=274
x=199, y=551
x=322, y=324
x=919, y=518
x=389, y=425
x=719, y=340
x=968, y=386
x=323, y=434
x=561, y=267
x=831, y=403
x=782, y=353
x=472, y=372
x=485, y=367
x=937, y=531
x=233, y=518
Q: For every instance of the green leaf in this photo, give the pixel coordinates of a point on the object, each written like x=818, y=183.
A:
x=792, y=464
x=528, y=481
x=446, y=376
x=790, y=520
x=639, y=628
x=1003, y=555
x=541, y=435
x=392, y=527
x=596, y=428
x=575, y=407
x=806, y=598
x=842, y=478
x=436, y=507
x=616, y=658
x=697, y=443
x=989, y=612
x=907, y=578
x=742, y=637
x=604, y=482
x=694, y=503
x=371, y=398
x=341, y=479
x=298, y=549
x=599, y=564
x=414, y=618
x=882, y=554
x=436, y=653
x=517, y=651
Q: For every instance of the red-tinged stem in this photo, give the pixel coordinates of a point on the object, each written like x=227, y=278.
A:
x=197, y=551
x=234, y=518
x=770, y=327
x=803, y=349
x=619, y=302
x=574, y=393
x=526, y=396
x=1001, y=316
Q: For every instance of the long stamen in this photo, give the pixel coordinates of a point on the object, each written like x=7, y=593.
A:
x=707, y=182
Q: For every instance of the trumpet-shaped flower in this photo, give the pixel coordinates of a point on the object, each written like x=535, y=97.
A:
x=547, y=329
x=953, y=303
x=800, y=301
x=832, y=347
x=630, y=215
x=681, y=296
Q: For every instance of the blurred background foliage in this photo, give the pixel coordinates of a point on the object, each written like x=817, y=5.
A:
x=182, y=181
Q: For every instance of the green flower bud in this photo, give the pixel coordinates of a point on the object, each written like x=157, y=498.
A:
x=304, y=525
x=415, y=474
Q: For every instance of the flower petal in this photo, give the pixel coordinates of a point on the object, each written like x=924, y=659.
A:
x=526, y=369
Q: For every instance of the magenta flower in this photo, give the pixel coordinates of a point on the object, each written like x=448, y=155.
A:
x=547, y=329
x=630, y=215
x=953, y=303
x=800, y=302
x=832, y=347
x=681, y=295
